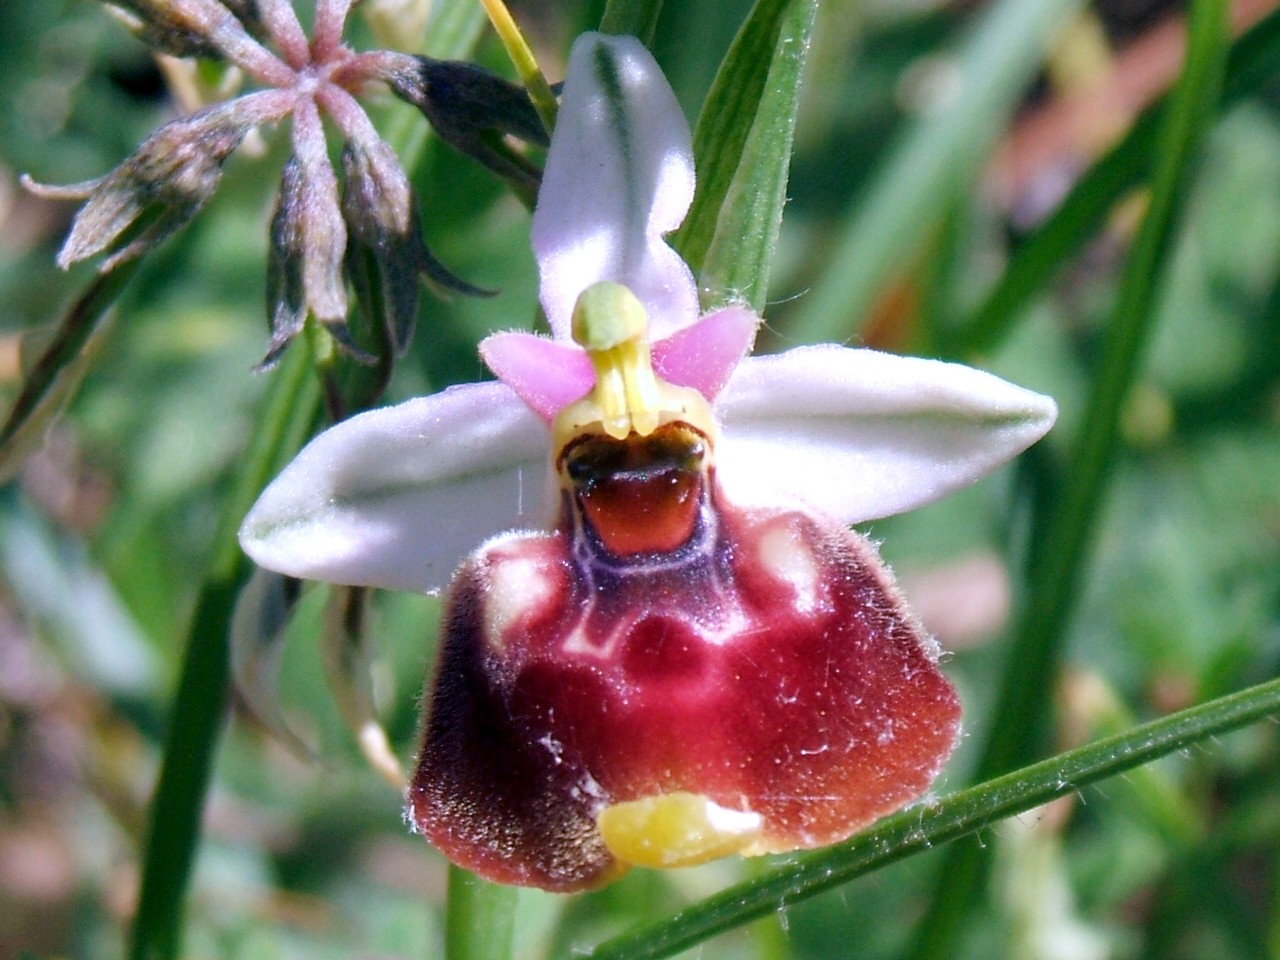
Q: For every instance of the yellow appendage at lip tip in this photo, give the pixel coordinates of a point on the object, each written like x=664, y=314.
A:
x=675, y=830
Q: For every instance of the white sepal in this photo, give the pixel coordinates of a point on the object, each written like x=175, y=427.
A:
x=860, y=434
x=397, y=497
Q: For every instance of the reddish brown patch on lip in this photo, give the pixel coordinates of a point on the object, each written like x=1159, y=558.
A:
x=640, y=495
x=769, y=665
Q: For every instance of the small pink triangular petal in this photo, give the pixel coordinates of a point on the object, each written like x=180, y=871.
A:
x=548, y=375
x=619, y=175
x=861, y=434
x=398, y=496
x=704, y=355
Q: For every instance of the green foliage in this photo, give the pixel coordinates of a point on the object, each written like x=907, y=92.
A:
x=1130, y=568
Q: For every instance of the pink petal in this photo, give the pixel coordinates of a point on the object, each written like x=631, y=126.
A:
x=546, y=374
x=704, y=355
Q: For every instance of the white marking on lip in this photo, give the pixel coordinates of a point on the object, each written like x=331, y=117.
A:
x=517, y=585
x=788, y=559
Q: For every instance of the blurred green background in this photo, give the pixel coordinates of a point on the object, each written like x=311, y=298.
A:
x=105, y=534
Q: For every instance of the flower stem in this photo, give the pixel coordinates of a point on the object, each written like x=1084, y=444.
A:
x=479, y=918
x=284, y=419
x=544, y=101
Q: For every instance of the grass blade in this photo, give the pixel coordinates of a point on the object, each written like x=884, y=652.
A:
x=286, y=417
x=725, y=123
x=1060, y=551
x=58, y=370
x=1254, y=59
x=931, y=167
x=737, y=264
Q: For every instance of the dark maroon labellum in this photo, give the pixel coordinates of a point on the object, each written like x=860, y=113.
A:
x=662, y=640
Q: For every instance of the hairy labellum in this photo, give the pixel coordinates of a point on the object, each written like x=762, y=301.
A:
x=698, y=657
x=667, y=677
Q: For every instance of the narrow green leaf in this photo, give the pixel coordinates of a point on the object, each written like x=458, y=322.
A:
x=1060, y=549
x=932, y=166
x=918, y=829
x=286, y=417
x=1254, y=60
x=638, y=18
x=61, y=365
x=737, y=263
x=725, y=123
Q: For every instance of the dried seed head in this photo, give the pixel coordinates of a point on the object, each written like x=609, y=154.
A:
x=387, y=253
x=188, y=28
x=153, y=193
x=471, y=109
x=377, y=204
x=305, y=259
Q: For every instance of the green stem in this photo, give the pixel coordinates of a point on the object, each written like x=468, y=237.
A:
x=1060, y=551
x=283, y=422
x=480, y=918
x=918, y=829
x=639, y=18
x=544, y=101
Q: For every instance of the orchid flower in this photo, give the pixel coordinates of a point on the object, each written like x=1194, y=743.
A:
x=663, y=644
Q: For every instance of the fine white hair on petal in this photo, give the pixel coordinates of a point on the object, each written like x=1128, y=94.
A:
x=619, y=175
x=397, y=497
x=861, y=434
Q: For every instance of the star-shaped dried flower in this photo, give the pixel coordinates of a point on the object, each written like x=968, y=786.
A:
x=669, y=646
x=363, y=227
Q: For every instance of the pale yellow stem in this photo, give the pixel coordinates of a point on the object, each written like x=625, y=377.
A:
x=544, y=101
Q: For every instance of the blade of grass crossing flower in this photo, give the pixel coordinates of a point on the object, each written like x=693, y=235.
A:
x=918, y=829
x=932, y=166
x=725, y=124
x=479, y=918
x=638, y=18
x=736, y=267
x=285, y=418
x=1254, y=60
x=58, y=370
x=1060, y=549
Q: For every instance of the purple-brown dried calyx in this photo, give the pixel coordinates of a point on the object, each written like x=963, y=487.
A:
x=367, y=230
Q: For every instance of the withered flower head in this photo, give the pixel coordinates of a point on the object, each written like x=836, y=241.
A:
x=324, y=232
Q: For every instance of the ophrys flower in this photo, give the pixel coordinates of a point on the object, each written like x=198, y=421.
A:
x=671, y=647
